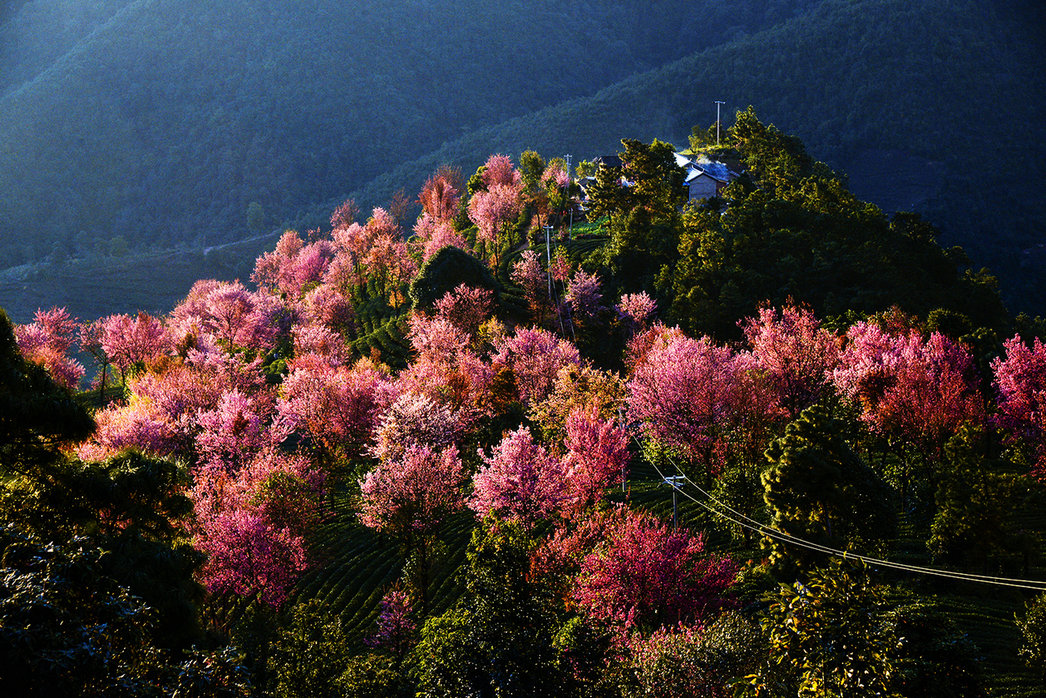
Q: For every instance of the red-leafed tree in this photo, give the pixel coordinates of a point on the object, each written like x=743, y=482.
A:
x=643, y=575
x=441, y=194
x=907, y=387
x=519, y=481
x=344, y=215
x=1020, y=382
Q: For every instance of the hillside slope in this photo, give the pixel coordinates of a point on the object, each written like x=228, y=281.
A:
x=893, y=94
x=161, y=121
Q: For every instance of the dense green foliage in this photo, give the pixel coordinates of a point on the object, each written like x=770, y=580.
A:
x=498, y=640
x=816, y=488
x=96, y=581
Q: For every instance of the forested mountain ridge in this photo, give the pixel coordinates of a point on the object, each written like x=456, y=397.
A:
x=934, y=106
x=909, y=129
x=163, y=123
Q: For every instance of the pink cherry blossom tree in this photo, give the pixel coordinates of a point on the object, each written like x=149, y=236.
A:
x=247, y=555
x=47, y=340
x=396, y=628
x=435, y=234
x=336, y=405
x=319, y=341
x=499, y=204
x=466, y=307
x=327, y=306
x=527, y=272
x=446, y=370
x=131, y=343
x=597, y=452
x=535, y=357
x=293, y=265
x=796, y=354
x=415, y=421
x=519, y=480
x=408, y=498
x=252, y=524
x=233, y=433
x=684, y=391
x=637, y=311
x=229, y=315
x=584, y=296
x=1020, y=384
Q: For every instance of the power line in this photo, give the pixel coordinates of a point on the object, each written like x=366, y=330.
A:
x=749, y=523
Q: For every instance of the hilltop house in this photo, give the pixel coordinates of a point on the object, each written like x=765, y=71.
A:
x=704, y=177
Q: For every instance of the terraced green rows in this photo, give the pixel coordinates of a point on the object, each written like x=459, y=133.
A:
x=358, y=566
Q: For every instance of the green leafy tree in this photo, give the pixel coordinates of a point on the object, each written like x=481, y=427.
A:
x=36, y=415
x=828, y=638
x=130, y=505
x=607, y=196
x=309, y=656
x=1033, y=635
x=656, y=180
x=531, y=167
x=933, y=658
x=816, y=488
x=970, y=523
x=67, y=628
x=445, y=271
x=255, y=217
x=374, y=676
x=498, y=640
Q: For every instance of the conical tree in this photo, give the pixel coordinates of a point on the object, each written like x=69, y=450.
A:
x=816, y=488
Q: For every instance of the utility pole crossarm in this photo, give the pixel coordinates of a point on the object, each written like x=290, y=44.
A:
x=718, y=103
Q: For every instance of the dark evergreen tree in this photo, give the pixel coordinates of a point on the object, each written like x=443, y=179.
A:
x=816, y=488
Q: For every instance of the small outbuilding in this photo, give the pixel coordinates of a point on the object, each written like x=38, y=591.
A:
x=704, y=177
